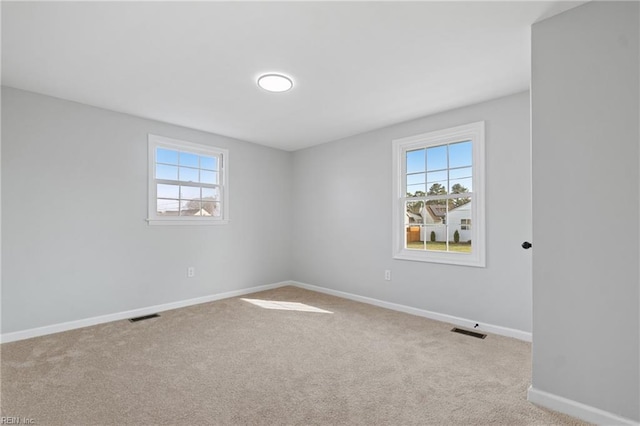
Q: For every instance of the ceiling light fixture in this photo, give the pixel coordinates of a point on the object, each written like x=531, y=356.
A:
x=275, y=82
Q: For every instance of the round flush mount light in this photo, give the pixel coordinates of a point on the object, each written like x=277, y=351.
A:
x=275, y=82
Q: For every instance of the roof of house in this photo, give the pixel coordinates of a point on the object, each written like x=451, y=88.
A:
x=437, y=210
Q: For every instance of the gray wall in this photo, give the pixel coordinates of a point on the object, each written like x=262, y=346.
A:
x=75, y=241
x=585, y=172
x=342, y=206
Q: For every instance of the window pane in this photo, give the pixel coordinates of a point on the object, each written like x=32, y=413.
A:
x=212, y=208
x=166, y=156
x=437, y=211
x=437, y=177
x=416, y=178
x=437, y=188
x=209, y=163
x=460, y=154
x=189, y=193
x=166, y=172
x=460, y=186
x=188, y=159
x=436, y=237
x=458, y=203
x=167, y=191
x=190, y=208
x=464, y=172
x=205, y=210
x=188, y=175
x=208, y=177
x=437, y=158
x=212, y=194
x=463, y=237
x=415, y=161
x=414, y=239
x=415, y=190
x=459, y=220
x=459, y=239
x=167, y=207
x=414, y=210
x=425, y=228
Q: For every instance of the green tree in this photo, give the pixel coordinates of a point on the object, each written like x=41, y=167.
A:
x=457, y=202
x=437, y=189
x=417, y=194
x=458, y=189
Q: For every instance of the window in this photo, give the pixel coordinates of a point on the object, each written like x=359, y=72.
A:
x=188, y=183
x=438, y=192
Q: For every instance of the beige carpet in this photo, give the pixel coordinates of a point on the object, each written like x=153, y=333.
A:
x=234, y=362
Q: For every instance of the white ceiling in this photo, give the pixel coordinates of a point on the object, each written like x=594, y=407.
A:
x=356, y=66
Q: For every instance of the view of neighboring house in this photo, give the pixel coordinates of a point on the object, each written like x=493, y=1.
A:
x=191, y=208
x=189, y=212
x=460, y=220
x=433, y=217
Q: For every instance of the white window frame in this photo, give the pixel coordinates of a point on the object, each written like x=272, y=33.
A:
x=473, y=132
x=154, y=142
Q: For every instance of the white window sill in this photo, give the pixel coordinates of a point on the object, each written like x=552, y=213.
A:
x=187, y=222
x=450, y=258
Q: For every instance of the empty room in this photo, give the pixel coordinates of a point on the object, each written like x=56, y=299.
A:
x=327, y=213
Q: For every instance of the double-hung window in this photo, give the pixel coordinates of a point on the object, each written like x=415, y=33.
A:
x=438, y=193
x=188, y=183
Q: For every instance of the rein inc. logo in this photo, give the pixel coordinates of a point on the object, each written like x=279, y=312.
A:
x=14, y=420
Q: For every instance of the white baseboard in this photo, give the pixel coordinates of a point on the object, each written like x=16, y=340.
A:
x=71, y=325
x=536, y=396
x=576, y=409
x=462, y=322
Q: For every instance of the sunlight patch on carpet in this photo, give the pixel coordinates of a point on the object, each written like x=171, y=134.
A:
x=286, y=306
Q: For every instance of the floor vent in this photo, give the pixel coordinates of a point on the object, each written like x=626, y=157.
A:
x=469, y=333
x=136, y=319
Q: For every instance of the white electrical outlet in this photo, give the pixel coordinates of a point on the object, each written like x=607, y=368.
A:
x=191, y=272
x=387, y=275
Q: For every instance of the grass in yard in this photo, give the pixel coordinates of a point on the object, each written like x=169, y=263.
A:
x=440, y=246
